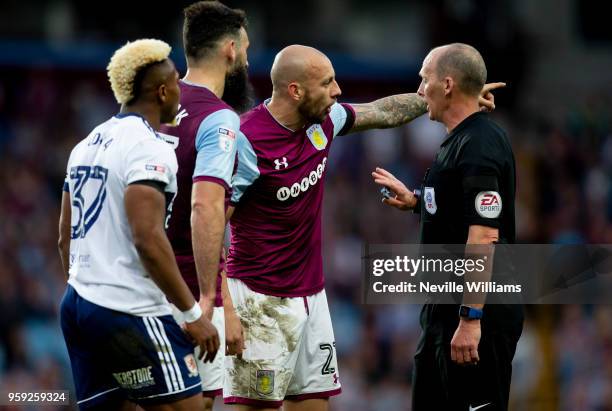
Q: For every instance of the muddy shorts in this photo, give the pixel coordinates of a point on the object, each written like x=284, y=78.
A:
x=290, y=349
x=210, y=373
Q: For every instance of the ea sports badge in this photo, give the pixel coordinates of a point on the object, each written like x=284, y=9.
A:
x=488, y=204
x=430, y=200
x=317, y=137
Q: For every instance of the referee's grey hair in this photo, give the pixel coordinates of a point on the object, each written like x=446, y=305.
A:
x=465, y=64
x=128, y=60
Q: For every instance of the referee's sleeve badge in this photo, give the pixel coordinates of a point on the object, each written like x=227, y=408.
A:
x=488, y=204
x=429, y=195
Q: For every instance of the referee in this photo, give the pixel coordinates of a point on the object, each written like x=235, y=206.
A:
x=464, y=357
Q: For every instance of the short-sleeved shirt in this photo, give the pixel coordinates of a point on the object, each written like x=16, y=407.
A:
x=205, y=144
x=471, y=182
x=278, y=194
x=105, y=268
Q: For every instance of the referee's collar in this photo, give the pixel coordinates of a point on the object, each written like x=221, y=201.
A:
x=466, y=121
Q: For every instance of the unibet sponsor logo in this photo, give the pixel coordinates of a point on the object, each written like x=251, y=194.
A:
x=488, y=204
x=284, y=193
x=134, y=379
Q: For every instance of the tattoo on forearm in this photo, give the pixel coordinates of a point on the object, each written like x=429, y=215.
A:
x=388, y=112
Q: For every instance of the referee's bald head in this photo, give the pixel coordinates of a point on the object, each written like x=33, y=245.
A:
x=464, y=64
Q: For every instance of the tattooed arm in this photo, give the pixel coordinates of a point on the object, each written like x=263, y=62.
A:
x=393, y=111
x=388, y=112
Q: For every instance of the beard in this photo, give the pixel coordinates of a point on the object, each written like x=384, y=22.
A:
x=308, y=111
x=238, y=92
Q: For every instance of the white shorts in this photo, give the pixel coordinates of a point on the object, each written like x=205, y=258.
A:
x=210, y=373
x=290, y=349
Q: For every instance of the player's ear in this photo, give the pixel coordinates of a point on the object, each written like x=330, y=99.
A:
x=162, y=93
x=231, y=51
x=295, y=91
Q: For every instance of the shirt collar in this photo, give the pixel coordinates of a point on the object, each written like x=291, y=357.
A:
x=466, y=121
x=265, y=104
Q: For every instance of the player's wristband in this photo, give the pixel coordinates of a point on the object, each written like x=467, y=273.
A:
x=471, y=313
x=193, y=314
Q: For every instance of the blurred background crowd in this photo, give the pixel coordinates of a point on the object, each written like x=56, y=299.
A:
x=556, y=57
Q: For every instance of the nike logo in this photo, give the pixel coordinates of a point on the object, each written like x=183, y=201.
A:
x=480, y=406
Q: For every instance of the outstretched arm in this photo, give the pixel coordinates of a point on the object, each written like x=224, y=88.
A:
x=399, y=109
x=388, y=112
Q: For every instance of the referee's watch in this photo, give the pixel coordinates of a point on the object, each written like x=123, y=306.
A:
x=470, y=313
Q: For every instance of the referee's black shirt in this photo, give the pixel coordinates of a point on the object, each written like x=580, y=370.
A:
x=471, y=182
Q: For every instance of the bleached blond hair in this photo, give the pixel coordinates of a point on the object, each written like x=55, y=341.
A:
x=128, y=60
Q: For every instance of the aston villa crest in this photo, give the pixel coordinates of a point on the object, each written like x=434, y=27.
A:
x=317, y=137
x=265, y=382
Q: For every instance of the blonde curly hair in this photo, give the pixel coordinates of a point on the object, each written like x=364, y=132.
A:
x=128, y=60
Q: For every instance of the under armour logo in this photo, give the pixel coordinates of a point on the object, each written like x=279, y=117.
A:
x=278, y=163
x=336, y=378
x=181, y=114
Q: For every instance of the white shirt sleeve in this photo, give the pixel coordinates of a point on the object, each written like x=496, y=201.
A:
x=151, y=159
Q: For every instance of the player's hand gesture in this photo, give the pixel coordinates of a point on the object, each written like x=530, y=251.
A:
x=404, y=199
x=486, y=99
x=204, y=334
x=464, y=345
x=234, y=334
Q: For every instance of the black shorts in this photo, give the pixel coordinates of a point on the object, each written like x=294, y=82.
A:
x=440, y=384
